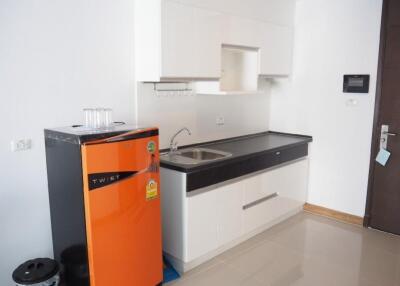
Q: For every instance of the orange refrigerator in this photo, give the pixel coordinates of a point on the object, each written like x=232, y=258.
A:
x=104, y=193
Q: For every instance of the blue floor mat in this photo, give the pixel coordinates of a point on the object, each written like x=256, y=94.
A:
x=170, y=274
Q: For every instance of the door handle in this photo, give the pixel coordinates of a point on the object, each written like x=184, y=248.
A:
x=385, y=135
x=390, y=134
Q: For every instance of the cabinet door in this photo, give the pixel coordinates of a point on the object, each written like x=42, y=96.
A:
x=229, y=212
x=276, y=50
x=239, y=31
x=294, y=188
x=201, y=225
x=191, y=42
x=289, y=182
x=269, y=212
x=257, y=187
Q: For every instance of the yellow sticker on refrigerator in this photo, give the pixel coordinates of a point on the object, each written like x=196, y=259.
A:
x=151, y=190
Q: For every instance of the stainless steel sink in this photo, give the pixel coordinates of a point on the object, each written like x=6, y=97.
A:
x=194, y=156
x=202, y=155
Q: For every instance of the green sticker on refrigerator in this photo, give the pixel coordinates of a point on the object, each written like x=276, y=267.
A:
x=151, y=147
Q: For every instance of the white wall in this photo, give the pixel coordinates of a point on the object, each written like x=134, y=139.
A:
x=244, y=114
x=56, y=57
x=332, y=38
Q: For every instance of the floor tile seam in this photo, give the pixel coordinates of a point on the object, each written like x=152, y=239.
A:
x=244, y=274
x=295, y=251
x=256, y=243
x=331, y=265
x=197, y=272
x=274, y=236
x=312, y=255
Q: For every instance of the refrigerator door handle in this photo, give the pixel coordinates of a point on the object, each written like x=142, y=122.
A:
x=153, y=167
x=99, y=180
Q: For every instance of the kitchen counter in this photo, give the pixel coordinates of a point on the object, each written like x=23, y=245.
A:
x=250, y=154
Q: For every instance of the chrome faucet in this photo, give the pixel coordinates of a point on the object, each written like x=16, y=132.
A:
x=173, y=146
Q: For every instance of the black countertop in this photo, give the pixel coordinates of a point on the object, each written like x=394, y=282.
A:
x=250, y=153
x=240, y=147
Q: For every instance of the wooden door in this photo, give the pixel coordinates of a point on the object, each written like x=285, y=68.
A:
x=383, y=206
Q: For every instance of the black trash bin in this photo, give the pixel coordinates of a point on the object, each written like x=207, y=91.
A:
x=37, y=272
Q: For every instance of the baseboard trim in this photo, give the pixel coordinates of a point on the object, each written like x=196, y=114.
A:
x=329, y=213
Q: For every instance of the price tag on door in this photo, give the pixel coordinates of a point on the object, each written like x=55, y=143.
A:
x=383, y=157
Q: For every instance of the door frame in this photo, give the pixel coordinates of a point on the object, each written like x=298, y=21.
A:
x=376, y=128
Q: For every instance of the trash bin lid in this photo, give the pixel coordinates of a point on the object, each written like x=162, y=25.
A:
x=35, y=271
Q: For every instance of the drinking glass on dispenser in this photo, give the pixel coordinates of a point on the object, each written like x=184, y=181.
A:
x=99, y=121
x=98, y=118
x=108, y=117
x=89, y=114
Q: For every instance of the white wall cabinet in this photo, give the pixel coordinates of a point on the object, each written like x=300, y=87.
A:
x=191, y=42
x=240, y=31
x=202, y=224
x=280, y=12
x=274, y=43
x=276, y=50
x=175, y=40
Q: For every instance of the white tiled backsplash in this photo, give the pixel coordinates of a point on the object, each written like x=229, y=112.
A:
x=243, y=114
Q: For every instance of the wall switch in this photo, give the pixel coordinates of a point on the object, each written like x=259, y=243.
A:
x=220, y=120
x=21, y=145
x=351, y=102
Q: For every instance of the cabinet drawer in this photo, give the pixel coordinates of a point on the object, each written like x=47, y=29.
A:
x=257, y=188
x=292, y=153
x=288, y=180
x=223, y=172
x=267, y=212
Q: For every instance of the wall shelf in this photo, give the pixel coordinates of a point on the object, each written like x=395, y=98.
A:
x=239, y=73
x=239, y=68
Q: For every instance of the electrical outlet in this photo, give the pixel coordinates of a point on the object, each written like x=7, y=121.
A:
x=21, y=145
x=220, y=120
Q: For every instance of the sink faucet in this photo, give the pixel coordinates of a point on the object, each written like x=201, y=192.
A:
x=173, y=146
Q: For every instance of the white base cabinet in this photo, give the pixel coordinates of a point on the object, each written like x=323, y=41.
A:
x=201, y=224
x=229, y=214
x=202, y=227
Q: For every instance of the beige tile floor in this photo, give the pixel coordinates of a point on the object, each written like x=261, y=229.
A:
x=305, y=250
